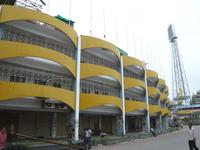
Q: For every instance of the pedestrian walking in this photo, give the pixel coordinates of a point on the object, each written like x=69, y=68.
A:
x=3, y=138
x=192, y=138
x=89, y=137
x=86, y=139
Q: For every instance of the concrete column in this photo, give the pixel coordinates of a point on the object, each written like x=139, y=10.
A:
x=123, y=97
x=77, y=89
x=147, y=100
x=54, y=125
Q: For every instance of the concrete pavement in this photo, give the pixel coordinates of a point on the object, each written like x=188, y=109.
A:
x=171, y=141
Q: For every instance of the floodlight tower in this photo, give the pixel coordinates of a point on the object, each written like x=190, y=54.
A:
x=180, y=87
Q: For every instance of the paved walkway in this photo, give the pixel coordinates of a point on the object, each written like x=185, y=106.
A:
x=172, y=141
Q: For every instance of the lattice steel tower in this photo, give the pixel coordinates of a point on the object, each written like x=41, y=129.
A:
x=180, y=87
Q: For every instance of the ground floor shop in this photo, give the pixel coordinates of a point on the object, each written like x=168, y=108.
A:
x=135, y=123
x=38, y=124
x=54, y=124
x=155, y=122
x=109, y=124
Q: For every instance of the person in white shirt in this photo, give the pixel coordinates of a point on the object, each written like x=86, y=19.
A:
x=192, y=138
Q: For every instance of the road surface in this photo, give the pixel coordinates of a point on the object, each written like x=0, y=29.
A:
x=172, y=141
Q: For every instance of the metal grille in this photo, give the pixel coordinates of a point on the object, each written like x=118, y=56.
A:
x=99, y=88
x=93, y=59
x=18, y=35
x=130, y=95
x=153, y=101
x=128, y=73
x=18, y=73
x=151, y=83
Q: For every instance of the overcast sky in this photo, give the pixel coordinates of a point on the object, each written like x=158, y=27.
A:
x=140, y=28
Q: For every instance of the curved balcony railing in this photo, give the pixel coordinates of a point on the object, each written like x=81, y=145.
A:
x=152, y=74
x=151, y=84
x=15, y=49
x=19, y=35
x=14, y=90
x=161, y=82
x=132, y=82
x=131, y=74
x=153, y=101
x=12, y=13
x=93, y=87
x=131, y=106
x=161, y=85
x=130, y=96
x=153, y=92
x=93, y=59
x=88, y=101
x=154, y=109
x=88, y=42
x=24, y=74
x=131, y=61
x=92, y=70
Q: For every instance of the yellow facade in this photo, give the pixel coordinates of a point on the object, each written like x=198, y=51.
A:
x=92, y=100
x=13, y=13
x=14, y=90
x=132, y=106
x=12, y=49
x=128, y=61
x=132, y=82
x=151, y=74
x=92, y=70
x=91, y=42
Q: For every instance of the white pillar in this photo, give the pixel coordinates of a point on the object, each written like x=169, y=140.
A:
x=147, y=99
x=77, y=89
x=123, y=98
x=54, y=125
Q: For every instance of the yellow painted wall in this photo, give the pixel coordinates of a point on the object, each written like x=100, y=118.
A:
x=10, y=49
x=14, y=13
x=93, y=100
x=13, y=90
x=132, y=82
x=92, y=42
x=91, y=70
